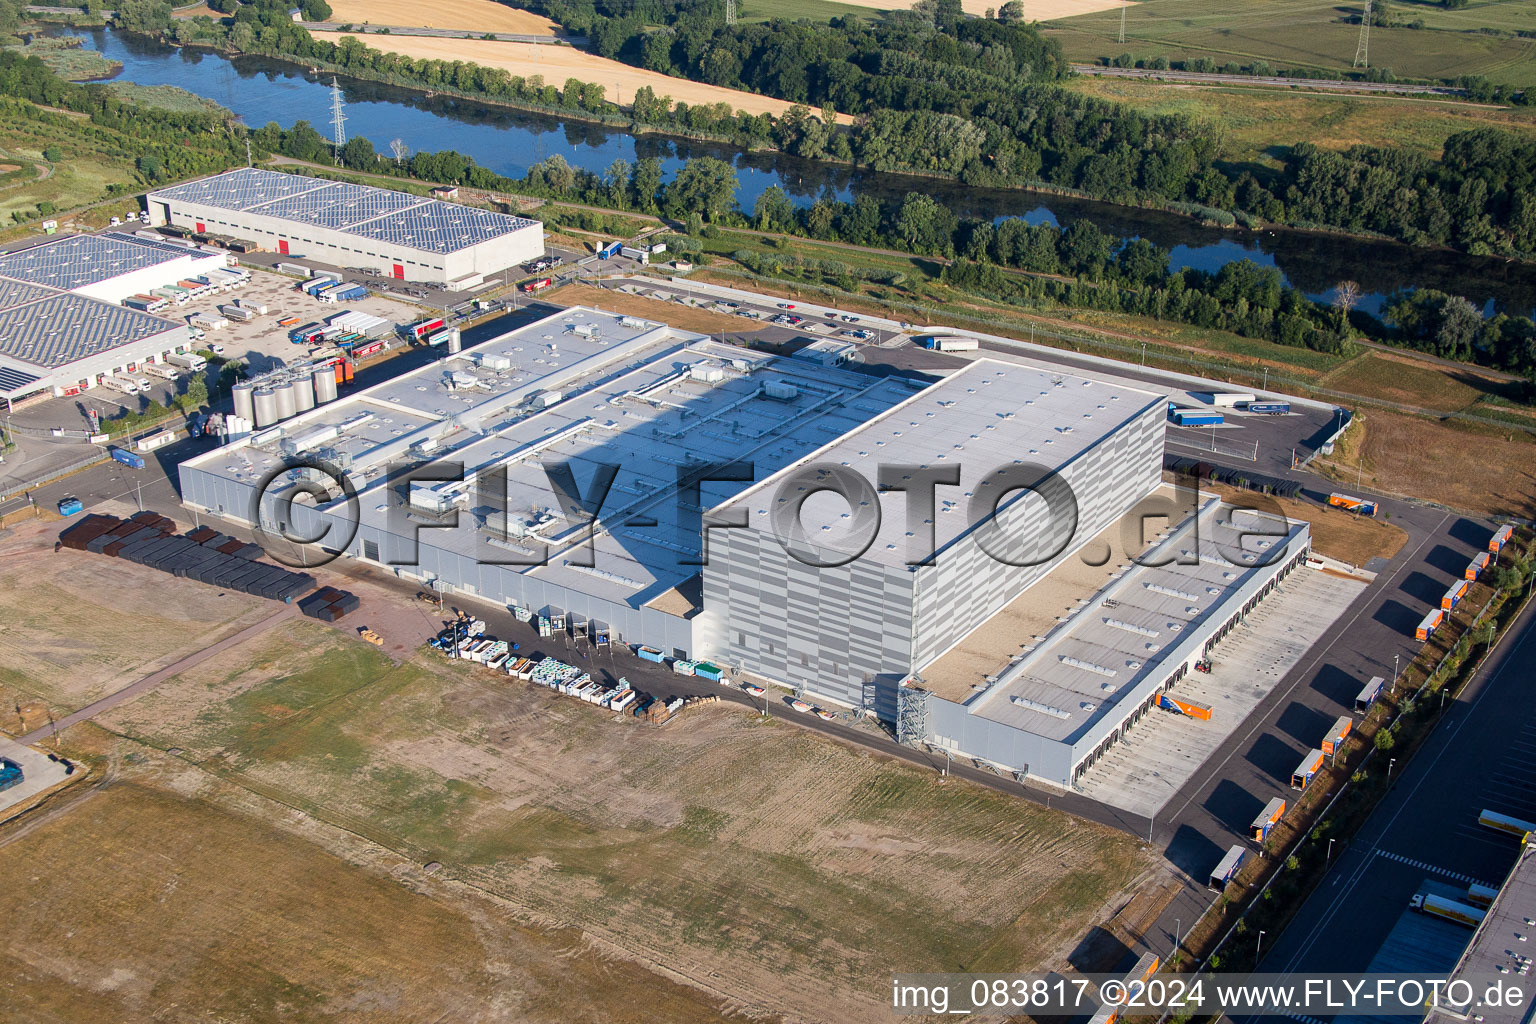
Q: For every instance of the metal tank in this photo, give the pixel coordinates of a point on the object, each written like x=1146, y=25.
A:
x=304, y=390
x=244, y=407
x=325, y=386
x=455, y=343
x=265, y=407
x=286, y=406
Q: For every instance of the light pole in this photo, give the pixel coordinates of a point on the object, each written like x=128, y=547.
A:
x=1178, y=926
x=1266, y=379
x=1257, y=946
x=1329, y=859
x=1390, y=764
x=1394, y=673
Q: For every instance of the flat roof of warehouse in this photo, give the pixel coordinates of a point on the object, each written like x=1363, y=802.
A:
x=80, y=261
x=60, y=327
x=1098, y=655
x=648, y=399
x=984, y=417
x=385, y=215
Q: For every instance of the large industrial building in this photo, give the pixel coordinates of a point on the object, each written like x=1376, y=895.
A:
x=352, y=226
x=61, y=331
x=712, y=470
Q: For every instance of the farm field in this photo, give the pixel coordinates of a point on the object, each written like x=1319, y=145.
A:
x=73, y=631
x=473, y=15
x=1252, y=121
x=169, y=889
x=1309, y=33
x=770, y=865
x=1034, y=10
x=558, y=63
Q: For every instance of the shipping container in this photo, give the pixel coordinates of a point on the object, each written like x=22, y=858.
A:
x=1454, y=595
x=1334, y=741
x=1197, y=418
x=1268, y=818
x=1500, y=538
x=126, y=457
x=1476, y=566
x=1431, y=623
x=1301, y=778
x=1226, y=869
x=1352, y=504
x=650, y=654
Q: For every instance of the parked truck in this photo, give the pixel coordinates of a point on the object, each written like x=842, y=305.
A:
x=1301, y=778
x=1504, y=823
x=1196, y=418
x=609, y=250
x=1454, y=595
x=187, y=361
x=949, y=343
x=1431, y=623
x=1352, y=504
x=1194, y=709
x=642, y=255
x=131, y=459
x=1223, y=872
x=239, y=314
x=1368, y=695
x=1500, y=538
x=1481, y=895
x=1334, y=741
x=119, y=385
x=1269, y=408
x=1268, y=818
x=537, y=286
x=1450, y=910
x=1476, y=566
x=161, y=370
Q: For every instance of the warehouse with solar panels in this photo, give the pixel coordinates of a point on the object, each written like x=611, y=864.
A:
x=61, y=330
x=395, y=234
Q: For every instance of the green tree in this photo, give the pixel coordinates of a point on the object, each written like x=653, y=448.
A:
x=704, y=184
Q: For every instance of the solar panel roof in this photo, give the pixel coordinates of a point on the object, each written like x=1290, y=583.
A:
x=241, y=189
x=83, y=260
x=440, y=227
x=339, y=205
x=18, y=293
x=13, y=380
x=61, y=328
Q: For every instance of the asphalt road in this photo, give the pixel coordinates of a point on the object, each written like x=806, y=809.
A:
x=1277, y=82
x=1482, y=755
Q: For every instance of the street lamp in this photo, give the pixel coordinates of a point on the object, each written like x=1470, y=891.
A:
x=1178, y=926
x=1390, y=765
x=1257, y=946
x=1329, y=859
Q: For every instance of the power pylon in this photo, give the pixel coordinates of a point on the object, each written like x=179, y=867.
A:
x=1122, y=21
x=1363, y=51
x=338, y=120
x=730, y=12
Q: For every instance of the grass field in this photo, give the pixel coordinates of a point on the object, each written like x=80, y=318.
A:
x=475, y=15
x=1310, y=33
x=781, y=869
x=558, y=63
x=1252, y=121
x=67, y=59
x=1335, y=532
x=1393, y=378
x=165, y=97
x=167, y=893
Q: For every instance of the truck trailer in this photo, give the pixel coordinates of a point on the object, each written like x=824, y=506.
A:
x=1334, y=741
x=1301, y=778
x=949, y=343
x=643, y=255
x=1450, y=910
x=1431, y=623
x=1368, y=695
x=1476, y=566
x=1197, y=418
x=126, y=457
x=1454, y=595
x=1268, y=818
x=1194, y=709
x=1500, y=538
x=1352, y=504
x=1268, y=408
x=1223, y=872
x=187, y=361
x=1504, y=823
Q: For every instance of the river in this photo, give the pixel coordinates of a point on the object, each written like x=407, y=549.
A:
x=509, y=141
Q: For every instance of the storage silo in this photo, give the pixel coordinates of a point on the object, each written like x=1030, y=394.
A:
x=325, y=386
x=286, y=406
x=244, y=407
x=455, y=343
x=265, y=407
x=303, y=390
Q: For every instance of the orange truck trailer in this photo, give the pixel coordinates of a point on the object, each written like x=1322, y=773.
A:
x=1453, y=596
x=1336, y=736
x=1500, y=538
x=1301, y=778
x=1476, y=566
x=1268, y=818
x=1193, y=709
x=1431, y=623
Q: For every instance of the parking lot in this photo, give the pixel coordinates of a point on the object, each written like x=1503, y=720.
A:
x=39, y=772
x=1141, y=773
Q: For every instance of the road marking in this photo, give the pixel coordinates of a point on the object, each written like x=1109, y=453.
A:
x=1431, y=868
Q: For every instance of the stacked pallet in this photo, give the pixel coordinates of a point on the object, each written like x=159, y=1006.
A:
x=205, y=555
x=329, y=604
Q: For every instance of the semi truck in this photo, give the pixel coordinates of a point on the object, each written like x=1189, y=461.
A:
x=1454, y=595
x=1334, y=741
x=187, y=361
x=425, y=329
x=1504, y=823
x=1431, y=623
x=131, y=459
x=1352, y=504
x=119, y=385
x=537, y=286
x=1476, y=566
x=949, y=343
x=1368, y=695
x=161, y=370
x=1450, y=910
x=611, y=249
x=1301, y=778
x=306, y=335
x=1269, y=408
x=1268, y=818
x=1481, y=895
x=1196, y=418
x=1223, y=872
x=643, y=255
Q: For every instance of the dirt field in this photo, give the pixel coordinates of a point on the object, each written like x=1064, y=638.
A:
x=1335, y=532
x=558, y=63
x=784, y=871
x=673, y=313
x=75, y=626
x=170, y=893
x=1392, y=378
x=1471, y=467
x=475, y=15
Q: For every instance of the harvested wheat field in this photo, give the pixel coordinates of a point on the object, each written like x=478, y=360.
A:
x=1034, y=10
x=558, y=63
x=76, y=626
x=471, y=15
x=171, y=895
x=782, y=871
